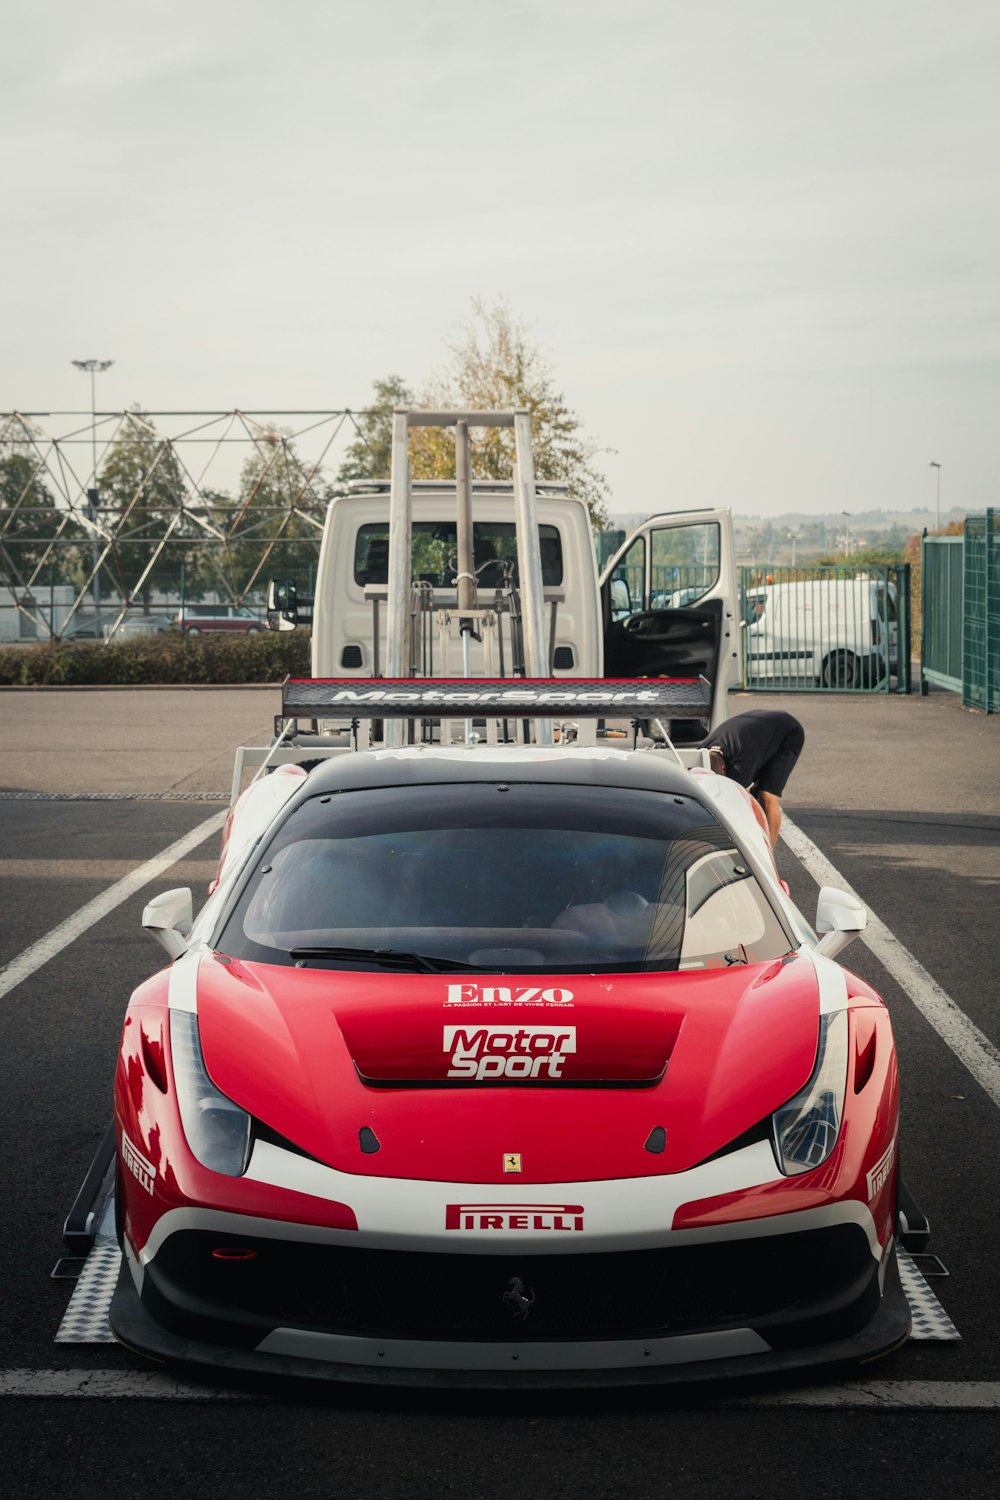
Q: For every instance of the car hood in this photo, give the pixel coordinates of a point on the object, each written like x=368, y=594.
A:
x=451, y=1074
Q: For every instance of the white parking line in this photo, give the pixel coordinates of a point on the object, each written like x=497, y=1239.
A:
x=970, y=1045
x=153, y=1385
x=889, y=1395
x=106, y=1385
x=60, y=937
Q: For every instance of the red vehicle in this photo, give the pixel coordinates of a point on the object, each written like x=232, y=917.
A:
x=195, y=619
x=506, y=1067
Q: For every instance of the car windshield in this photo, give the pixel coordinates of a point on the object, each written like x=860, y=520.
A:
x=504, y=877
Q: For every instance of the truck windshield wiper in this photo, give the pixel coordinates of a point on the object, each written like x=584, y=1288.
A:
x=386, y=958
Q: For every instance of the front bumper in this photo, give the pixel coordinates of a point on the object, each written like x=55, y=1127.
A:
x=682, y=1314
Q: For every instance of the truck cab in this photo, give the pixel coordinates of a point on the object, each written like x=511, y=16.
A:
x=492, y=579
x=665, y=605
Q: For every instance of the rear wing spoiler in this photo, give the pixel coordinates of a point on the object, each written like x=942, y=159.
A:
x=496, y=698
x=312, y=706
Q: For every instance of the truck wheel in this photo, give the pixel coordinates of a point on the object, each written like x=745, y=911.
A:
x=842, y=670
x=193, y=630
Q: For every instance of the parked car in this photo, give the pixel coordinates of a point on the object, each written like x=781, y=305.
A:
x=87, y=628
x=194, y=619
x=134, y=625
x=505, y=1068
x=839, y=632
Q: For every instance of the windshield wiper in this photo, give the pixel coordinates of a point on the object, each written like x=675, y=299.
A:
x=386, y=958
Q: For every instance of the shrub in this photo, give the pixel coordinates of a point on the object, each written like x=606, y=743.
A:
x=168, y=658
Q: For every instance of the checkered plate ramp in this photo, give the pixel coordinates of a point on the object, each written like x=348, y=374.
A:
x=86, y=1320
x=930, y=1321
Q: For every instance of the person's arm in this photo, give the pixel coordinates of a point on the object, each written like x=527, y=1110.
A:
x=772, y=812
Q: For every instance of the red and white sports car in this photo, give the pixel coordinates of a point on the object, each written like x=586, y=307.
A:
x=506, y=1067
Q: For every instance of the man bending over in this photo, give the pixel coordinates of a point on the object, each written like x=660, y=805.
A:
x=758, y=749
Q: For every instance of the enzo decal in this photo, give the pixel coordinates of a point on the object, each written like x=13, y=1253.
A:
x=880, y=1171
x=485, y=1052
x=142, y=1170
x=506, y=1216
x=474, y=994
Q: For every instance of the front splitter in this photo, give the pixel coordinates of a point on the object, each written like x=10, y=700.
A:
x=682, y=1360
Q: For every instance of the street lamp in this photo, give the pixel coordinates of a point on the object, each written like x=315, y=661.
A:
x=937, y=492
x=94, y=367
x=847, y=533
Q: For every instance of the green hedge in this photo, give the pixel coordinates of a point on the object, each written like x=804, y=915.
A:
x=168, y=658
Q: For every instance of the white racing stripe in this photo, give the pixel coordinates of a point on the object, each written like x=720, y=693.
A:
x=153, y=1385
x=60, y=937
x=970, y=1045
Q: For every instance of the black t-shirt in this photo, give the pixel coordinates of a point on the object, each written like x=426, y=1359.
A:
x=760, y=747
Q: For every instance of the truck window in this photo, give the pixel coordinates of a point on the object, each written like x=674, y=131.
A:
x=754, y=606
x=494, y=545
x=684, y=564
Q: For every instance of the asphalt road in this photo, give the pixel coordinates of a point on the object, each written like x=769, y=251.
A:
x=901, y=795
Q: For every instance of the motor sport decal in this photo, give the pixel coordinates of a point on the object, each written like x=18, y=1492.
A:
x=492, y=994
x=879, y=1173
x=142, y=1170
x=487, y=1052
x=508, y=1216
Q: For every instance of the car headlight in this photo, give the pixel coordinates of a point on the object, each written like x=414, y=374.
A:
x=217, y=1130
x=807, y=1127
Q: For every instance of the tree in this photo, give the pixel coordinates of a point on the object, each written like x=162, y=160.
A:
x=370, y=455
x=142, y=498
x=495, y=365
x=273, y=526
x=28, y=519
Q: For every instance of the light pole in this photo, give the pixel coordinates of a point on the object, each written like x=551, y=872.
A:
x=847, y=533
x=94, y=367
x=937, y=492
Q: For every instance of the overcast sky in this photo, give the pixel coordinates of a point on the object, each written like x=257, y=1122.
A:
x=759, y=240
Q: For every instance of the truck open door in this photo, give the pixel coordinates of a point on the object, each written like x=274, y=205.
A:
x=669, y=604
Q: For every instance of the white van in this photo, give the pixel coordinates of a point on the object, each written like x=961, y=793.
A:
x=839, y=632
x=625, y=624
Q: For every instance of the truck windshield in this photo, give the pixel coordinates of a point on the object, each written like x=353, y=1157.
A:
x=435, y=555
x=503, y=877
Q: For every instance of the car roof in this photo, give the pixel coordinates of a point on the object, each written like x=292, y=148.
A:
x=425, y=765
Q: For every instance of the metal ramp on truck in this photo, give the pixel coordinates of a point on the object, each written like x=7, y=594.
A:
x=518, y=700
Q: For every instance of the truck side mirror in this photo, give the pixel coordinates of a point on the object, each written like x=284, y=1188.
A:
x=840, y=918
x=282, y=605
x=621, y=600
x=169, y=918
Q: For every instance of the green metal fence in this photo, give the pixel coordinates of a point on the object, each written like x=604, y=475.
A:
x=981, y=615
x=835, y=629
x=942, y=610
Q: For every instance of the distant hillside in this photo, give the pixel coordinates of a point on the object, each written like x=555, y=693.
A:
x=798, y=537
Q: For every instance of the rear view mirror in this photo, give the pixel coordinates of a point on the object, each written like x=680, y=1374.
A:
x=282, y=605
x=621, y=600
x=169, y=918
x=840, y=917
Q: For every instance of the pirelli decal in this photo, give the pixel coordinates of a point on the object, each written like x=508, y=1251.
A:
x=495, y=697
x=141, y=1168
x=879, y=1174
x=505, y=1217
